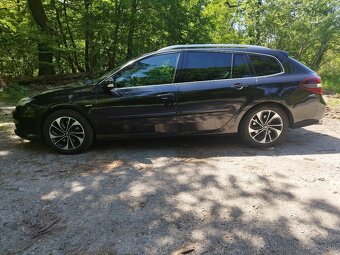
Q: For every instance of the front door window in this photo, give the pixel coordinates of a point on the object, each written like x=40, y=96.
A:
x=154, y=70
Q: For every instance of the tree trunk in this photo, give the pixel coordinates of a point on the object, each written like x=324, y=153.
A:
x=133, y=13
x=63, y=37
x=71, y=38
x=317, y=59
x=45, y=54
x=112, y=61
x=87, y=35
x=45, y=59
x=258, y=22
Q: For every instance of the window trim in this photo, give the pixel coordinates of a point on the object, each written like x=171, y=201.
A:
x=244, y=52
x=271, y=56
x=182, y=55
x=186, y=61
x=232, y=52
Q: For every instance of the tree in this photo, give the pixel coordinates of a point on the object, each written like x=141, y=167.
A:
x=93, y=35
x=45, y=60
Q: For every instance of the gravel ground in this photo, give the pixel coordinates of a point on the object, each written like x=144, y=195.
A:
x=201, y=195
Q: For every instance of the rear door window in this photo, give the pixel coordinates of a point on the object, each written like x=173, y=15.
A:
x=205, y=66
x=265, y=65
x=241, y=66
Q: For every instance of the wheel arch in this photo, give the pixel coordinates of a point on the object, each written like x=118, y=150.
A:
x=273, y=103
x=64, y=107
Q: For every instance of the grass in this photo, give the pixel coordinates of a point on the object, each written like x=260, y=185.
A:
x=332, y=100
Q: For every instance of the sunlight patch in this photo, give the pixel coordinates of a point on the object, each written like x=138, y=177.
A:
x=52, y=195
x=77, y=187
x=113, y=165
x=4, y=153
x=6, y=124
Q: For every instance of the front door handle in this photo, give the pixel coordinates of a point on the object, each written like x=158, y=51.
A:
x=239, y=86
x=167, y=96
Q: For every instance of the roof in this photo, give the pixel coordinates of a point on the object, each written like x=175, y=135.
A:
x=230, y=47
x=207, y=46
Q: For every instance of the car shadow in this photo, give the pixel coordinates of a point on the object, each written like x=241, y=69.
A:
x=298, y=142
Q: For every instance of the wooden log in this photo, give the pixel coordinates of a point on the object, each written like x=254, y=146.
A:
x=54, y=79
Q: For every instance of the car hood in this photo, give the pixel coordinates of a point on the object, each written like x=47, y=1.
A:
x=65, y=94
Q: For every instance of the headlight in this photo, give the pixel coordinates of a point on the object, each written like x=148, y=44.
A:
x=25, y=101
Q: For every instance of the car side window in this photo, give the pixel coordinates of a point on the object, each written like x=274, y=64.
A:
x=203, y=66
x=241, y=66
x=265, y=65
x=154, y=70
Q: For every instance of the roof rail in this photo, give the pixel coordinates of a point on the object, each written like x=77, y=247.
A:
x=192, y=46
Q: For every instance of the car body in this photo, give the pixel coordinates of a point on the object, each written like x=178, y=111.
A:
x=184, y=90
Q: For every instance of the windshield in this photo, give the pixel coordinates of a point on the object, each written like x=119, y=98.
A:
x=104, y=76
x=110, y=73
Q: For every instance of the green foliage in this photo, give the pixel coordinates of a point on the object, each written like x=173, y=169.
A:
x=330, y=71
x=97, y=35
x=12, y=94
x=331, y=83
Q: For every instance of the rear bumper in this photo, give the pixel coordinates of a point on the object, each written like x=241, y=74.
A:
x=305, y=123
x=308, y=112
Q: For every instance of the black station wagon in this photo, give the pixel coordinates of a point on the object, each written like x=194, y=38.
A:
x=180, y=90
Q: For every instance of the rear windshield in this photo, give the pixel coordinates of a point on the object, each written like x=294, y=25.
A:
x=299, y=67
x=265, y=65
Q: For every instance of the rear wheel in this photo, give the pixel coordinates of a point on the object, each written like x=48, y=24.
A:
x=68, y=132
x=264, y=126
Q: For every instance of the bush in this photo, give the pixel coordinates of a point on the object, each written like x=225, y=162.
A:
x=14, y=92
x=331, y=83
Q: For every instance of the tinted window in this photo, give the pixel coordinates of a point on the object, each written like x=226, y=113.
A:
x=298, y=67
x=265, y=65
x=203, y=66
x=153, y=70
x=240, y=66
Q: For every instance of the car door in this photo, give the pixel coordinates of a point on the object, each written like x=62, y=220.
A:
x=215, y=86
x=143, y=99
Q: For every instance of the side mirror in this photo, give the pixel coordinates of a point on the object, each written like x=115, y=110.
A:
x=108, y=85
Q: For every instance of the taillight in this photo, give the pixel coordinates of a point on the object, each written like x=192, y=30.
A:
x=312, y=84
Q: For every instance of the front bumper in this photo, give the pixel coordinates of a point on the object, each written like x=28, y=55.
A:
x=27, y=122
x=26, y=136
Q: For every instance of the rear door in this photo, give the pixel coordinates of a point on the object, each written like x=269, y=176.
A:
x=214, y=87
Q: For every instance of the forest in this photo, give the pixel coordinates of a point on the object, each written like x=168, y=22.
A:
x=66, y=37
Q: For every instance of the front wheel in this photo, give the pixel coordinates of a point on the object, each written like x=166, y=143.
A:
x=264, y=126
x=68, y=132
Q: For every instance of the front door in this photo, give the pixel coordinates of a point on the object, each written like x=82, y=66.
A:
x=215, y=87
x=143, y=100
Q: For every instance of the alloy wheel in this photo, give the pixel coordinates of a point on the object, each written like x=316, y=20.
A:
x=66, y=133
x=265, y=126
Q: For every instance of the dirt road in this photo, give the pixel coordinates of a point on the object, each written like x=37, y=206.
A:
x=201, y=195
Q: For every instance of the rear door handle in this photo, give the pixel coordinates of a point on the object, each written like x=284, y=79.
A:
x=166, y=96
x=239, y=86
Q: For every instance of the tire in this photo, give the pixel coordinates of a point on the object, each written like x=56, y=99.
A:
x=68, y=132
x=264, y=126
